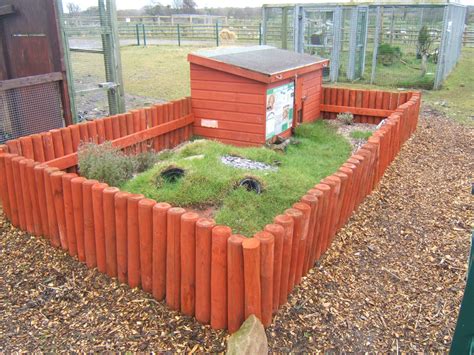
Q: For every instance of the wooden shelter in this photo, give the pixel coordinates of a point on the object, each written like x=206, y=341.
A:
x=250, y=95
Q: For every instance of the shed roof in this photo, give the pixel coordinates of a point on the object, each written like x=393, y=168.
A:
x=265, y=60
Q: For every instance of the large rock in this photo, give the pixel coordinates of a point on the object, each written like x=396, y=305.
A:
x=249, y=339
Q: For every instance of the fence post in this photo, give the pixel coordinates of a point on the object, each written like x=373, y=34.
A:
x=217, y=33
x=138, y=34
x=144, y=34
x=179, y=35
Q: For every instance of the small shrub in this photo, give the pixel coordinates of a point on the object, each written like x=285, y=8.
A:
x=388, y=55
x=361, y=134
x=346, y=118
x=105, y=163
x=144, y=160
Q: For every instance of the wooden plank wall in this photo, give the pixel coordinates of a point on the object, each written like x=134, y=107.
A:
x=382, y=103
x=312, y=86
x=235, y=103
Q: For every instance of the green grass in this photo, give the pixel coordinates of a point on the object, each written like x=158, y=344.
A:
x=456, y=96
x=361, y=134
x=405, y=75
x=160, y=72
x=208, y=182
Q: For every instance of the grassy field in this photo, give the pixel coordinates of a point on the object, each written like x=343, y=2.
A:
x=209, y=184
x=456, y=96
x=160, y=72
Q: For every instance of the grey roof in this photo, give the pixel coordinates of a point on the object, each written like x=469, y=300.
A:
x=262, y=59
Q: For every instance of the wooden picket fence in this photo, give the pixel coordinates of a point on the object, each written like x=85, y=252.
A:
x=199, y=268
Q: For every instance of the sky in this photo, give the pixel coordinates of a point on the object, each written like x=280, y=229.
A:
x=137, y=4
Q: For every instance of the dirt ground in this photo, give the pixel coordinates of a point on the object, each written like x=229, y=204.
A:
x=392, y=280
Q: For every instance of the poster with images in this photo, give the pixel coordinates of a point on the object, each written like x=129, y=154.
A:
x=280, y=101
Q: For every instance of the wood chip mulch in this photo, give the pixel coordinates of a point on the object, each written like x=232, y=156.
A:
x=392, y=280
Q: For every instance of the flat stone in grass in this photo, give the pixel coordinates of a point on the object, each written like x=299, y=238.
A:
x=249, y=339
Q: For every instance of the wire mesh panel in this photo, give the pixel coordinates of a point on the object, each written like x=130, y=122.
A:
x=278, y=23
x=399, y=45
x=451, y=42
x=29, y=110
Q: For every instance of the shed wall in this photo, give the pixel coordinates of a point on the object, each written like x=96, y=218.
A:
x=235, y=104
x=312, y=83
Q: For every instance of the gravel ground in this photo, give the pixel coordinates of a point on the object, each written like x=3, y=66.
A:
x=392, y=280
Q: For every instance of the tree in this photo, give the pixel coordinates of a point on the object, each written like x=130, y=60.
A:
x=189, y=7
x=73, y=8
x=423, y=47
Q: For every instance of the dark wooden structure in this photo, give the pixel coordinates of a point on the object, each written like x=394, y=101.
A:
x=33, y=83
x=250, y=95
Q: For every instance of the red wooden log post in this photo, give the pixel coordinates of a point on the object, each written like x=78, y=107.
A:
x=121, y=218
x=30, y=173
x=324, y=218
x=287, y=223
x=363, y=171
x=133, y=240
x=69, y=213
x=99, y=225
x=235, y=283
x=318, y=224
x=312, y=202
x=160, y=212
x=52, y=221
x=220, y=234
x=173, y=260
x=298, y=229
x=335, y=184
x=109, y=231
x=346, y=212
x=4, y=186
x=306, y=210
x=57, y=188
x=204, y=228
x=253, y=288
x=57, y=143
x=39, y=183
x=27, y=147
x=25, y=188
x=278, y=233
x=11, y=189
x=88, y=214
x=145, y=224
x=342, y=196
x=188, y=262
x=353, y=164
x=38, y=148
x=267, y=249
x=78, y=205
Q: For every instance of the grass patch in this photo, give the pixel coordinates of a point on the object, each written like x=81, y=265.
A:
x=360, y=134
x=160, y=72
x=209, y=182
x=456, y=96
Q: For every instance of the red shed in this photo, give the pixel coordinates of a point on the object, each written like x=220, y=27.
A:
x=249, y=95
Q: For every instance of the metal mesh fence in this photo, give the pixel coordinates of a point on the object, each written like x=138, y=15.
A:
x=19, y=107
x=377, y=44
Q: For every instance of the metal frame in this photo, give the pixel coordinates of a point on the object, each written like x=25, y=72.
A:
x=449, y=49
x=111, y=53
